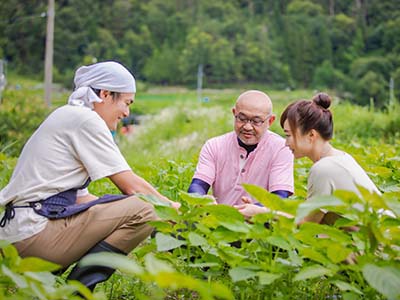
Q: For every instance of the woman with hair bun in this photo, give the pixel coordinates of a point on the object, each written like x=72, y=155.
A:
x=308, y=127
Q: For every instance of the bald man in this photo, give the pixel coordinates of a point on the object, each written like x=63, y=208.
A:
x=249, y=154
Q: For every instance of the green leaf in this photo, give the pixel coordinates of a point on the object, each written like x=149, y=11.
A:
x=44, y=277
x=195, y=199
x=19, y=280
x=385, y=280
x=230, y=254
x=350, y=296
x=344, y=286
x=206, y=290
x=267, y=278
x=203, y=265
x=35, y=264
x=314, y=255
x=37, y=291
x=162, y=226
x=348, y=197
x=309, y=231
x=295, y=258
x=4, y=243
x=222, y=234
x=112, y=260
x=167, y=213
x=220, y=291
x=313, y=204
x=166, y=242
x=392, y=201
x=11, y=253
x=235, y=225
x=240, y=273
x=337, y=253
x=224, y=213
x=83, y=290
x=279, y=242
x=270, y=200
x=196, y=239
x=155, y=266
x=373, y=199
x=153, y=200
x=312, y=272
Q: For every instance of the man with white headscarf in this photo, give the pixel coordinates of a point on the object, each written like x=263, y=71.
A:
x=49, y=212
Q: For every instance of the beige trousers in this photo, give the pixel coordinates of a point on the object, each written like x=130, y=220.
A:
x=121, y=223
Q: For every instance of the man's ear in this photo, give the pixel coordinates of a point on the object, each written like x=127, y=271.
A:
x=104, y=94
x=234, y=111
x=271, y=120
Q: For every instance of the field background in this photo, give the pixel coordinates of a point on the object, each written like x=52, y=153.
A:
x=163, y=148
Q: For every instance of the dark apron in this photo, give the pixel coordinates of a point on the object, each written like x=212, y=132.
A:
x=58, y=206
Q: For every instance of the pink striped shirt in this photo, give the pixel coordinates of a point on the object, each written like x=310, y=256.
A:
x=223, y=165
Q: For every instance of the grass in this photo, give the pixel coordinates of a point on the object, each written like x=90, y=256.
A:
x=164, y=150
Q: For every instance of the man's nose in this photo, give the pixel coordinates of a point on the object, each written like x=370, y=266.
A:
x=248, y=125
x=126, y=112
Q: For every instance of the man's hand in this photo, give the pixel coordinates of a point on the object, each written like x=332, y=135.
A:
x=246, y=200
x=249, y=210
x=175, y=205
x=86, y=198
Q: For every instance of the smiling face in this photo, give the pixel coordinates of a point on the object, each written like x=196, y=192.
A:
x=113, y=109
x=253, y=116
x=299, y=144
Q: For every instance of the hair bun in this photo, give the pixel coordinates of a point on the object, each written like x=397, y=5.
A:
x=322, y=99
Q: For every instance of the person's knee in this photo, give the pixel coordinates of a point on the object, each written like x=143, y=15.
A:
x=142, y=210
x=149, y=212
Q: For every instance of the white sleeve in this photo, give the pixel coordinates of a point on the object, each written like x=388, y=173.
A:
x=97, y=150
x=82, y=192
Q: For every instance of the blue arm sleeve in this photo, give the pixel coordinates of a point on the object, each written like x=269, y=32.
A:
x=198, y=186
x=282, y=194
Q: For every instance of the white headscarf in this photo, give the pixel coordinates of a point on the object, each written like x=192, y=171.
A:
x=109, y=75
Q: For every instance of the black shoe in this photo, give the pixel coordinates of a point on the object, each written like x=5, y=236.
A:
x=92, y=275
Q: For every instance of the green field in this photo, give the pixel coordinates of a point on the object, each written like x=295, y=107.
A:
x=284, y=262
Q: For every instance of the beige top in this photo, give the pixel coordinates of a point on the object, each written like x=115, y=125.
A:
x=339, y=172
x=72, y=144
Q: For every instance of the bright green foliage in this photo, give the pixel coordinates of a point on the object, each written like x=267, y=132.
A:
x=19, y=118
x=211, y=252
x=216, y=243
x=30, y=278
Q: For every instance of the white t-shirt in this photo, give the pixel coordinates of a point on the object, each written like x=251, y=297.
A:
x=339, y=172
x=71, y=145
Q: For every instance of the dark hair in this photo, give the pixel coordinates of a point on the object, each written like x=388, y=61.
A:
x=114, y=95
x=307, y=115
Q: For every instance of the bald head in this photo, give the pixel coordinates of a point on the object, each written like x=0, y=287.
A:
x=253, y=116
x=255, y=101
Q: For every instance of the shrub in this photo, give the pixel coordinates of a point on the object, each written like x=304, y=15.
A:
x=372, y=85
x=326, y=76
x=380, y=65
x=21, y=113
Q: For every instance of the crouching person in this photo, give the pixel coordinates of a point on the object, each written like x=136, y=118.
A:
x=49, y=212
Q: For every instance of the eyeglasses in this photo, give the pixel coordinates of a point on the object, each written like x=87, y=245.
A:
x=256, y=121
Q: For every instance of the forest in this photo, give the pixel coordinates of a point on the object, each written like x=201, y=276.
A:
x=351, y=47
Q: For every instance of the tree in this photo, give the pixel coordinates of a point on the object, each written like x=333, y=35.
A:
x=307, y=40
